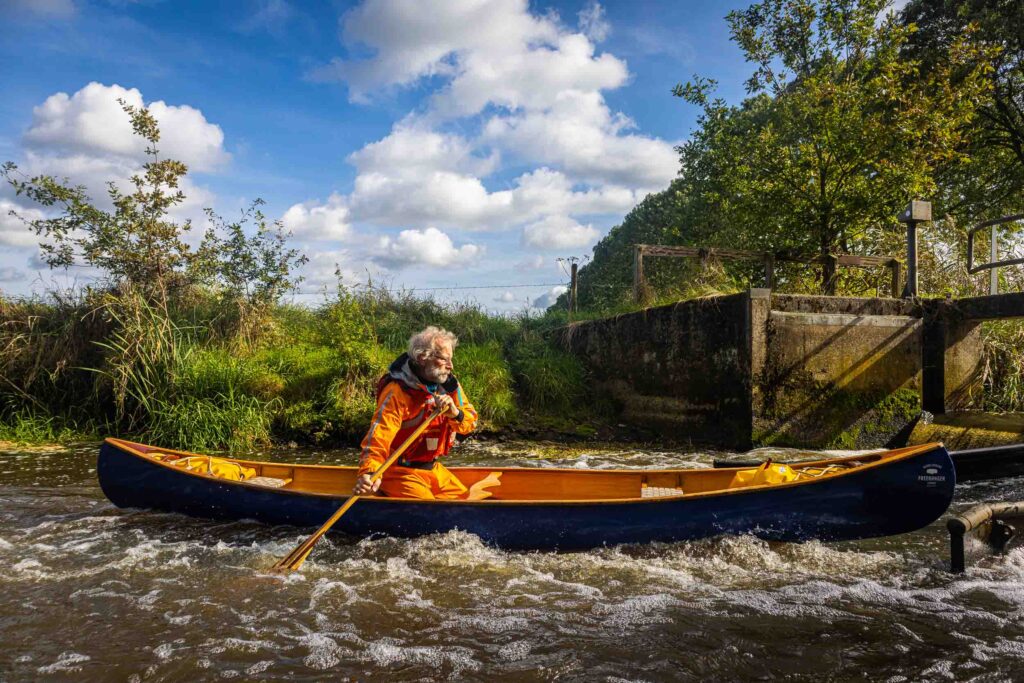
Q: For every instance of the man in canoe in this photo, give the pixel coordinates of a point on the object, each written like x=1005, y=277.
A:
x=417, y=382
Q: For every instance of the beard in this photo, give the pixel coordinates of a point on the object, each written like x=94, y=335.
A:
x=433, y=374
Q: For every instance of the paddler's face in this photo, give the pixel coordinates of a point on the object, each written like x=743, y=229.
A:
x=438, y=367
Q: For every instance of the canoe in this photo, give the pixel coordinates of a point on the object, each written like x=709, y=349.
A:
x=864, y=496
x=972, y=464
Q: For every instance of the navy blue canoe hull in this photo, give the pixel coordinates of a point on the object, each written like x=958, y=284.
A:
x=897, y=497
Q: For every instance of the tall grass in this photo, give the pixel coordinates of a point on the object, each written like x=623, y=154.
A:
x=487, y=378
x=178, y=375
x=548, y=379
x=1004, y=366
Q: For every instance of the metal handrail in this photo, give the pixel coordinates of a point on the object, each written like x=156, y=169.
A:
x=993, y=264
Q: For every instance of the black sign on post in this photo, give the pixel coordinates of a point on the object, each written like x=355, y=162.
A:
x=916, y=212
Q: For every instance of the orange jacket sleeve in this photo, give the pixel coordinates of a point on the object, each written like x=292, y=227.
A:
x=387, y=420
x=469, y=418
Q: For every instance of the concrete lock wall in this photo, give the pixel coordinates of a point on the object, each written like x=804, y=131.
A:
x=756, y=368
x=682, y=370
x=837, y=380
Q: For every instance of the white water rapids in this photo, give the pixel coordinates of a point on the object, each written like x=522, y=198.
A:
x=94, y=593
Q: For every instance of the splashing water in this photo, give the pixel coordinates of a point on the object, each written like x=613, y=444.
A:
x=92, y=592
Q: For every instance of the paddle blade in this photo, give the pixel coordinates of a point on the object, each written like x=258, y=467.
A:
x=293, y=560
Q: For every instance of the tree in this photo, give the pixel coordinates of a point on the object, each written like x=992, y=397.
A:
x=137, y=244
x=251, y=271
x=994, y=183
x=839, y=131
x=141, y=248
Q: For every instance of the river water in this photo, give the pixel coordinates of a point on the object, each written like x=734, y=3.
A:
x=93, y=593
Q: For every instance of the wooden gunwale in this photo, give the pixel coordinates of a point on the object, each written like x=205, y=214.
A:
x=870, y=461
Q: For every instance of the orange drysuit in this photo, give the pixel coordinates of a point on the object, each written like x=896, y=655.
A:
x=403, y=402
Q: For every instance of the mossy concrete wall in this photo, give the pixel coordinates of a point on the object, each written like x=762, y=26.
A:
x=756, y=368
x=683, y=369
x=837, y=380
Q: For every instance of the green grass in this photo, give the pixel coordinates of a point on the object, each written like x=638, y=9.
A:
x=177, y=377
x=235, y=422
x=548, y=379
x=487, y=379
x=27, y=428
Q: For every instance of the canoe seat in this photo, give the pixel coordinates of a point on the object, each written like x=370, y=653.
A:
x=269, y=482
x=659, y=491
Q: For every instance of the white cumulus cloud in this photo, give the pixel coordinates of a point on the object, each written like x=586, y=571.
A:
x=86, y=139
x=13, y=230
x=548, y=298
x=507, y=86
x=559, y=232
x=531, y=78
x=411, y=39
x=429, y=247
x=413, y=148
x=92, y=122
x=580, y=134
x=314, y=221
x=396, y=186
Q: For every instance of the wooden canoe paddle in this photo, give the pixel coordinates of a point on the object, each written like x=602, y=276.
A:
x=293, y=560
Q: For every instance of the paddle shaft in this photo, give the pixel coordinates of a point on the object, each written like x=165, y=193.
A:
x=295, y=558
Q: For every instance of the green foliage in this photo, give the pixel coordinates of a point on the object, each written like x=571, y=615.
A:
x=235, y=422
x=321, y=399
x=487, y=379
x=840, y=130
x=251, y=272
x=995, y=178
x=1004, y=366
x=142, y=250
x=27, y=427
x=136, y=244
x=549, y=380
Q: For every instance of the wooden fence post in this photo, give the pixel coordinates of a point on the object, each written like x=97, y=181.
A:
x=572, y=290
x=638, y=273
x=895, y=268
x=769, y=270
x=916, y=212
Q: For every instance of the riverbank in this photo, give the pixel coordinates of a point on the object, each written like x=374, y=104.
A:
x=204, y=373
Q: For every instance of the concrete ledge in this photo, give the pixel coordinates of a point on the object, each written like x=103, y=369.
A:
x=800, y=303
x=844, y=320
x=966, y=430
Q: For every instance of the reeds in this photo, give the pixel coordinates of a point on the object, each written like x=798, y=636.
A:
x=1004, y=366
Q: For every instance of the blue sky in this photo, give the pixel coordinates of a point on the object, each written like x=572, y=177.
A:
x=425, y=144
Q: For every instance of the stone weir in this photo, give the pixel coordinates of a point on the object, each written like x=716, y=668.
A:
x=758, y=368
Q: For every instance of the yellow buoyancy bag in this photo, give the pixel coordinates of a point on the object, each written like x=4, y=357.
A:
x=217, y=467
x=768, y=473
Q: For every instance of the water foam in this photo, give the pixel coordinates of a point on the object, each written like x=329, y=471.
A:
x=66, y=662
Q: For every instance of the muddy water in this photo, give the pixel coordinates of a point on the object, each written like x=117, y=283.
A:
x=92, y=593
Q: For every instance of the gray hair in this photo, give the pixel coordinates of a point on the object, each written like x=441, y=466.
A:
x=424, y=344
